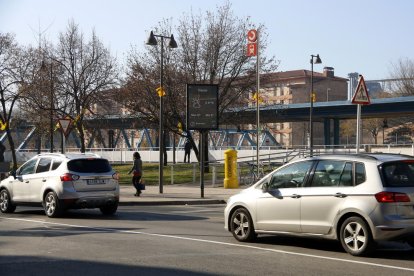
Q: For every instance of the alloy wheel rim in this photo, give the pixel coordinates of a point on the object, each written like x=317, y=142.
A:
x=50, y=204
x=4, y=201
x=354, y=236
x=241, y=225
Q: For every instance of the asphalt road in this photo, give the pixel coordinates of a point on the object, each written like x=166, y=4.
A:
x=172, y=240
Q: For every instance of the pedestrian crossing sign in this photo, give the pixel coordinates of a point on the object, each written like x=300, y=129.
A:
x=361, y=93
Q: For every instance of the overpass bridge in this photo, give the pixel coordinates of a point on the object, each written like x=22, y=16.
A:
x=341, y=110
x=326, y=112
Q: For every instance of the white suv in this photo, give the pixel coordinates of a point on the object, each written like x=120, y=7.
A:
x=62, y=181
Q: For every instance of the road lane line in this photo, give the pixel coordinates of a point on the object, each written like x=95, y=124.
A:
x=213, y=242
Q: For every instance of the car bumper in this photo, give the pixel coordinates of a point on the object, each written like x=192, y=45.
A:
x=89, y=202
x=394, y=230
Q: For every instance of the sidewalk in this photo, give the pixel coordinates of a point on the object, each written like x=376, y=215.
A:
x=177, y=194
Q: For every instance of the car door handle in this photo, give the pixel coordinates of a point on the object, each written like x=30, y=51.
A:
x=341, y=195
x=43, y=180
x=295, y=196
x=27, y=181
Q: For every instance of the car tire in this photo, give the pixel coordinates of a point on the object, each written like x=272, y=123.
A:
x=241, y=226
x=52, y=206
x=356, y=237
x=109, y=209
x=6, y=206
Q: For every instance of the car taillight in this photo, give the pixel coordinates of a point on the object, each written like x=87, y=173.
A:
x=115, y=176
x=69, y=177
x=385, y=197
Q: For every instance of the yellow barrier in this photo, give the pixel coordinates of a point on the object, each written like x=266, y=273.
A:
x=230, y=169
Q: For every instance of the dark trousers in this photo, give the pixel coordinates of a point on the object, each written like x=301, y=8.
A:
x=135, y=181
x=187, y=154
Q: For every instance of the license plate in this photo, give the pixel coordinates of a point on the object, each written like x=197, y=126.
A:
x=95, y=181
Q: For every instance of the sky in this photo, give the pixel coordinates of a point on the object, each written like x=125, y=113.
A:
x=364, y=36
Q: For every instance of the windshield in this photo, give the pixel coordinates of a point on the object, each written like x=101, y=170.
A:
x=89, y=165
x=399, y=174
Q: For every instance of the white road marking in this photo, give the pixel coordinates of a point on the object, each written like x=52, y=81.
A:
x=193, y=211
x=213, y=242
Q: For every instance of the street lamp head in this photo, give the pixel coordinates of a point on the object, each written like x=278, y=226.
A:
x=318, y=60
x=152, y=40
x=173, y=43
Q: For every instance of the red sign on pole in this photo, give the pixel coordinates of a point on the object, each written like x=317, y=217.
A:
x=252, y=45
x=252, y=36
x=251, y=49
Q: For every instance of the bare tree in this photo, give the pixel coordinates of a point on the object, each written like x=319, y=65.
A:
x=38, y=101
x=85, y=69
x=373, y=126
x=212, y=50
x=403, y=72
x=15, y=71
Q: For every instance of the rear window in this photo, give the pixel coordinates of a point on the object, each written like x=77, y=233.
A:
x=89, y=166
x=399, y=174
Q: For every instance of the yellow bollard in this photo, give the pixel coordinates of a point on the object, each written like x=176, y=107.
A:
x=230, y=169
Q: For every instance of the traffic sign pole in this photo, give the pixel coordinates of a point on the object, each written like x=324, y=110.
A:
x=358, y=137
x=253, y=50
x=360, y=97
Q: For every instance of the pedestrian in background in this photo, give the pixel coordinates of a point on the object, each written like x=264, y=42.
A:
x=137, y=173
x=187, y=150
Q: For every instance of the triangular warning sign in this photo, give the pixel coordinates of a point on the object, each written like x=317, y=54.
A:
x=64, y=125
x=361, y=93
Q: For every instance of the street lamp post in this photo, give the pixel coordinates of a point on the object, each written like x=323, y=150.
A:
x=312, y=98
x=51, y=126
x=51, y=107
x=173, y=44
x=384, y=126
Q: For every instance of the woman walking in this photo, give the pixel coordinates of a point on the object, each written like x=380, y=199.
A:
x=137, y=173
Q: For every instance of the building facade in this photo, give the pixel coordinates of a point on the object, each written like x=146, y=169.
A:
x=293, y=87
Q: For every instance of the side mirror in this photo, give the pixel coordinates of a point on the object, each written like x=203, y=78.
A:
x=13, y=173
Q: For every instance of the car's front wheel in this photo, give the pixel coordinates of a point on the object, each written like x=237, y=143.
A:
x=356, y=237
x=109, y=209
x=241, y=226
x=6, y=205
x=51, y=205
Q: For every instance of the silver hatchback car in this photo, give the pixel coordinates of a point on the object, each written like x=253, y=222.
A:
x=358, y=199
x=62, y=181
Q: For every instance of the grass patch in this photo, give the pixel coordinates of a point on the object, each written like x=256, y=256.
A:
x=182, y=173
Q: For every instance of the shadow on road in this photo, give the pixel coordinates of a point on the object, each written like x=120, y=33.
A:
x=95, y=214
x=12, y=265
x=384, y=250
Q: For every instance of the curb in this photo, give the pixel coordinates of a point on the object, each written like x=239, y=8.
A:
x=172, y=202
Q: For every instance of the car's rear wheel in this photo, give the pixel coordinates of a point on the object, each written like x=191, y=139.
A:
x=241, y=226
x=6, y=206
x=52, y=206
x=109, y=209
x=356, y=237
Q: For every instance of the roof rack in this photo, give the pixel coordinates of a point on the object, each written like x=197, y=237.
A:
x=51, y=153
x=361, y=155
x=390, y=154
x=68, y=155
x=369, y=155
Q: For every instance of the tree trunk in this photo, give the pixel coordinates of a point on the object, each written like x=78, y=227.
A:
x=81, y=136
x=12, y=149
